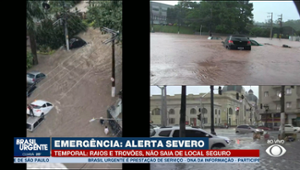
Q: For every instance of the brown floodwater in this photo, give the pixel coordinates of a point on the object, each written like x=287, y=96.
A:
x=178, y=59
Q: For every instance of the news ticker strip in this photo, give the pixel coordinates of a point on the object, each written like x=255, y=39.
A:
x=154, y=153
x=136, y=160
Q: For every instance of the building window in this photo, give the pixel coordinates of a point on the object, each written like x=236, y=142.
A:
x=219, y=121
x=193, y=111
x=215, y=120
x=266, y=93
x=288, y=91
x=278, y=93
x=219, y=112
x=216, y=112
x=277, y=107
x=204, y=111
x=288, y=104
x=156, y=111
x=171, y=120
x=205, y=120
x=171, y=112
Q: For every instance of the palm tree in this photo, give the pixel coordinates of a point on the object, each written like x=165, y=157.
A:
x=182, y=111
x=34, y=11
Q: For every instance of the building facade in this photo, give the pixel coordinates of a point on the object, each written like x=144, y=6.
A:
x=158, y=12
x=270, y=100
x=227, y=109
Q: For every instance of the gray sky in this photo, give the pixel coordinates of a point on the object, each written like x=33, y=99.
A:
x=171, y=90
x=262, y=8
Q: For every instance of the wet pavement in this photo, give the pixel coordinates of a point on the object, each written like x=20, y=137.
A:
x=289, y=161
x=193, y=60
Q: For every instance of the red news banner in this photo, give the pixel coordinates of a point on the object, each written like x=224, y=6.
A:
x=155, y=153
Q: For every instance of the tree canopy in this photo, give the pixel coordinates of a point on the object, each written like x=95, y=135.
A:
x=106, y=14
x=221, y=17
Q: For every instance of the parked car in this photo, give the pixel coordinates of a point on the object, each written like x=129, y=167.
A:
x=288, y=128
x=214, y=141
x=263, y=128
x=76, y=42
x=35, y=77
x=239, y=42
x=248, y=129
x=30, y=88
x=39, y=108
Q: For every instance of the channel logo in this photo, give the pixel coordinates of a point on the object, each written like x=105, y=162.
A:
x=276, y=150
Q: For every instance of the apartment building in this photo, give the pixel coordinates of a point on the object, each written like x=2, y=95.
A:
x=269, y=98
x=159, y=12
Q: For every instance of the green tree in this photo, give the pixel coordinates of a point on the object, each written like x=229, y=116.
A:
x=29, y=60
x=34, y=12
x=106, y=14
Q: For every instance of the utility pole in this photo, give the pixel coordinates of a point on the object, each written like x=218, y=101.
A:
x=280, y=23
x=282, y=116
x=182, y=112
x=115, y=35
x=271, y=25
x=210, y=22
x=212, y=128
x=66, y=26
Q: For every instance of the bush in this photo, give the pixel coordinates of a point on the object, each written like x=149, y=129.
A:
x=29, y=59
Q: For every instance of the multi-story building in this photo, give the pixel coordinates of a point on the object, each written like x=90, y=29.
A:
x=159, y=12
x=269, y=97
x=227, y=109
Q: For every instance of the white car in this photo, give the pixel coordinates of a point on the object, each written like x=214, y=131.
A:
x=297, y=129
x=40, y=107
x=288, y=128
x=214, y=141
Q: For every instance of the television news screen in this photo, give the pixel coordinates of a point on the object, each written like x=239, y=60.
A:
x=220, y=79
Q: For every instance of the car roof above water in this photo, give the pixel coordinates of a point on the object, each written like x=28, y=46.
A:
x=39, y=102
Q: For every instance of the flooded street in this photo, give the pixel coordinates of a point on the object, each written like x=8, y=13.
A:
x=193, y=60
x=78, y=84
x=290, y=160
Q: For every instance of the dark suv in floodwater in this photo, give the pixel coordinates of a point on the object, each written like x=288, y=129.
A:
x=239, y=42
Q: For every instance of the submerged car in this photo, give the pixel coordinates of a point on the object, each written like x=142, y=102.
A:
x=239, y=42
x=35, y=77
x=76, y=42
x=248, y=129
x=30, y=88
x=214, y=140
x=214, y=38
x=39, y=108
x=254, y=43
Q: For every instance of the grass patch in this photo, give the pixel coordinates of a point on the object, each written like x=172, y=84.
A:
x=173, y=29
x=88, y=24
x=46, y=53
